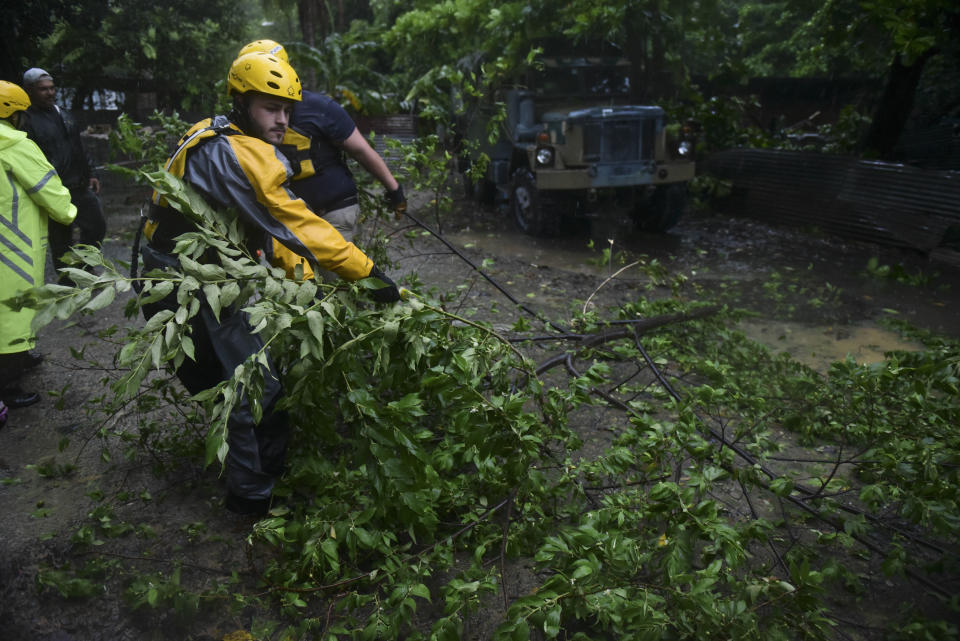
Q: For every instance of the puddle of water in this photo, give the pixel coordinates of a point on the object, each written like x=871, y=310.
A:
x=819, y=346
x=573, y=253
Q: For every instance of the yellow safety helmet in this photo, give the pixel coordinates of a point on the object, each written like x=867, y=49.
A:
x=265, y=73
x=266, y=46
x=12, y=99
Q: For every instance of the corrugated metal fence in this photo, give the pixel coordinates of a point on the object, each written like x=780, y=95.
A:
x=885, y=203
x=402, y=127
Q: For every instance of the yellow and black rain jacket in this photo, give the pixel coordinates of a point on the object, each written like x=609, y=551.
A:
x=250, y=176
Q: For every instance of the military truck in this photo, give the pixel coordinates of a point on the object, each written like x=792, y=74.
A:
x=572, y=146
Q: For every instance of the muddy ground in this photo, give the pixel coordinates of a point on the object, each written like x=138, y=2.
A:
x=48, y=494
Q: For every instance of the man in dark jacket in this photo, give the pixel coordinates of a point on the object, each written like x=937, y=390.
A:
x=57, y=134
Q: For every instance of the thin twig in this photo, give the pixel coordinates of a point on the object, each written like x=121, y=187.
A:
x=503, y=547
x=607, y=280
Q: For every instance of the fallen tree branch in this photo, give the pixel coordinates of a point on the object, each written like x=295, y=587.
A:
x=587, y=341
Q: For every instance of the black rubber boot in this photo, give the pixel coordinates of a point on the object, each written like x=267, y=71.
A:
x=15, y=397
x=247, y=507
x=30, y=359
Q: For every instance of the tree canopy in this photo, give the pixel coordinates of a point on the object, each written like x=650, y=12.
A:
x=376, y=53
x=176, y=49
x=675, y=44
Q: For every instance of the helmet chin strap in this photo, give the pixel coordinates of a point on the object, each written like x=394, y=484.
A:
x=240, y=115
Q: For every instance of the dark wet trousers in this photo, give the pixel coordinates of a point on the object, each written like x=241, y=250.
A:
x=10, y=369
x=90, y=221
x=257, y=451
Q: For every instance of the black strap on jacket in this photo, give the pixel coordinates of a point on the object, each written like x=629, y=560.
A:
x=158, y=213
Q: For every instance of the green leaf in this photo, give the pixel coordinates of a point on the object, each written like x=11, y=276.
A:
x=306, y=293
x=329, y=548
x=520, y=632
x=211, y=271
x=421, y=591
x=104, y=298
x=169, y=334
x=186, y=344
x=156, y=352
x=582, y=568
x=390, y=330
x=781, y=486
x=158, y=320
x=551, y=623
x=229, y=293
x=155, y=291
x=212, y=294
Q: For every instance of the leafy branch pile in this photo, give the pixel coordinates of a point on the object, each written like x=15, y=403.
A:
x=438, y=468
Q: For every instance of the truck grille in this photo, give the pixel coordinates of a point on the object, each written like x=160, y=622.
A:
x=618, y=141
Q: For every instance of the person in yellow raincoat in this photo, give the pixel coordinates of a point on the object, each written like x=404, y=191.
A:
x=233, y=162
x=30, y=193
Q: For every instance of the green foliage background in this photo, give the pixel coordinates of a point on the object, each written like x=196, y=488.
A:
x=385, y=56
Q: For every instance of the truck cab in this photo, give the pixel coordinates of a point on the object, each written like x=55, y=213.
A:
x=572, y=146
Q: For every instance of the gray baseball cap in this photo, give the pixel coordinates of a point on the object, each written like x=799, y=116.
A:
x=34, y=75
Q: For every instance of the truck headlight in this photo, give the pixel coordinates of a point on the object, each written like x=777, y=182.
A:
x=685, y=148
x=544, y=156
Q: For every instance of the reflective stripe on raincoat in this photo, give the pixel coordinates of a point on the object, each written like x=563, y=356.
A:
x=30, y=192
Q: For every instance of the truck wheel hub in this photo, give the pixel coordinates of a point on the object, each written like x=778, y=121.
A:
x=523, y=197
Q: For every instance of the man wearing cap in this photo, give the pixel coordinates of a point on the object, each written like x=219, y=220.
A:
x=58, y=135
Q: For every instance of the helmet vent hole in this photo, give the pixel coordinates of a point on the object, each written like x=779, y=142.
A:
x=272, y=84
x=273, y=72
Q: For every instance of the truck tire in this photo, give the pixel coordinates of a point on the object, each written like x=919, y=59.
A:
x=483, y=192
x=537, y=213
x=663, y=209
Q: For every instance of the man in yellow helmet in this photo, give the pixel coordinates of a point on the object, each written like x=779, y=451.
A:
x=232, y=161
x=30, y=193
x=320, y=133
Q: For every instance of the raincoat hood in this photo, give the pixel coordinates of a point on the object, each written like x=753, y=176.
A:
x=9, y=135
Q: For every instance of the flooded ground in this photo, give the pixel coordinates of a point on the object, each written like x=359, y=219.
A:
x=817, y=297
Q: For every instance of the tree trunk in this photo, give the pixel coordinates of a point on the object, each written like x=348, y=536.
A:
x=659, y=76
x=895, y=106
x=636, y=51
x=323, y=19
x=307, y=12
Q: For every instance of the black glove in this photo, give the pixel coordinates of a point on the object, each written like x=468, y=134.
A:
x=388, y=294
x=396, y=200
